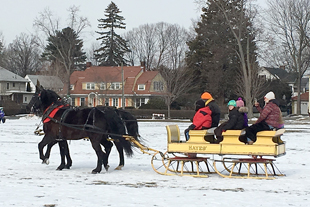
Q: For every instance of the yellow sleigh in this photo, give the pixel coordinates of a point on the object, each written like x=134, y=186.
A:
x=188, y=158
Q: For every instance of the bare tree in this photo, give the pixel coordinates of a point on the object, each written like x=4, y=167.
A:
x=289, y=20
x=50, y=26
x=157, y=44
x=177, y=82
x=244, y=34
x=91, y=54
x=23, y=55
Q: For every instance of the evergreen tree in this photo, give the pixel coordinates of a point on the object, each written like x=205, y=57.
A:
x=213, y=54
x=65, y=48
x=113, y=46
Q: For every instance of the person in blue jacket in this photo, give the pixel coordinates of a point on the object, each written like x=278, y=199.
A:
x=2, y=114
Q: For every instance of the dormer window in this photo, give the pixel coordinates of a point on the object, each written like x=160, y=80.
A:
x=115, y=86
x=141, y=87
x=71, y=87
x=102, y=86
x=90, y=86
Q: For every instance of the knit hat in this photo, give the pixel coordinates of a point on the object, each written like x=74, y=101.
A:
x=232, y=103
x=206, y=96
x=270, y=95
x=240, y=102
x=199, y=104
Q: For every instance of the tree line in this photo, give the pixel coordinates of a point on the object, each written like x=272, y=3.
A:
x=219, y=54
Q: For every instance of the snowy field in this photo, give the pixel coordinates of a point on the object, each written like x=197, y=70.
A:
x=24, y=181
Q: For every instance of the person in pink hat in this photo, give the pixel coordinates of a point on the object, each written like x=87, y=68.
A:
x=243, y=110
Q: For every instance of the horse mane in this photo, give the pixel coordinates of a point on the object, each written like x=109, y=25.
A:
x=48, y=97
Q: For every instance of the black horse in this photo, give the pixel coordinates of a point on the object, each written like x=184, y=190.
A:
x=130, y=123
x=63, y=123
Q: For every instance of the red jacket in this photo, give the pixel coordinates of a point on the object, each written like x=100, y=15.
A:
x=202, y=118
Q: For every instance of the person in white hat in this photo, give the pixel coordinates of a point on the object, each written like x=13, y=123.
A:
x=270, y=118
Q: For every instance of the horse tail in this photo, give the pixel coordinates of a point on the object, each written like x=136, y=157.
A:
x=117, y=130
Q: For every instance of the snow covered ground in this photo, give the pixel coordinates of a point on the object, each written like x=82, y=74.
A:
x=24, y=181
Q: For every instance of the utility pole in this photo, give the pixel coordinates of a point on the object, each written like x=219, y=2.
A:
x=123, y=96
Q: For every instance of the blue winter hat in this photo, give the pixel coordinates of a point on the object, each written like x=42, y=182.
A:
x=232, y=103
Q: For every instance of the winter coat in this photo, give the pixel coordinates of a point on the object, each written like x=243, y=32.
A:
x=1, y=114
x=236, y=120
x=244, y=111
x=271, y=114
x=202, y=119
x=216, y=113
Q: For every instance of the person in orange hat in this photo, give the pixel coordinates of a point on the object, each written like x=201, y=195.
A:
x=216, y=112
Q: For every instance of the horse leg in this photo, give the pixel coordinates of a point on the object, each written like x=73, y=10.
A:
x=46, y=140
x=119, y=148
x=48, y=151
x=100, y=154
x=107, y=147
x=64, y=153
x=67, y=154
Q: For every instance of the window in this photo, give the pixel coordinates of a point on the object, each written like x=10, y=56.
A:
x=115, y=102
x=102, y=86
x=71, y=87
x=13, y=85
x=73, y=101
x=82, y=101
x=7, y=85
x=25, y=99
x=90, y=86
x=141, y=87
x=106, y=102
x=158, y=86
x=140, y=102
x=262, y=77
x=115, y=86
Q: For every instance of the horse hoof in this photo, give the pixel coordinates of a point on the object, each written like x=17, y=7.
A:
x=107, y=167
x=46, y=161
x=119, y=167
x=94, y=172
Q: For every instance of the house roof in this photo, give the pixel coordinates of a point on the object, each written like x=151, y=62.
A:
x=303, y=97
x=48, y=82
x=282, y=74
x=6, y=75
x=133, y=75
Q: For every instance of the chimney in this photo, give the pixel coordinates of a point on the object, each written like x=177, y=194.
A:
x=142, y=63
x=88, y=64
x=282, y=67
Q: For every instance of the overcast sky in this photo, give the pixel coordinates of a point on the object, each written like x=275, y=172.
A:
x=17, y=16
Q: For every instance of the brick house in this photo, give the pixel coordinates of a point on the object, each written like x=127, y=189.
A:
x=101, y=85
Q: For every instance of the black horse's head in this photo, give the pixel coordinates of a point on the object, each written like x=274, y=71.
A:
x=35, y=103
x=41, y=100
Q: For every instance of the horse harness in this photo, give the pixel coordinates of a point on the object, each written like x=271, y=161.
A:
x=51, y=111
